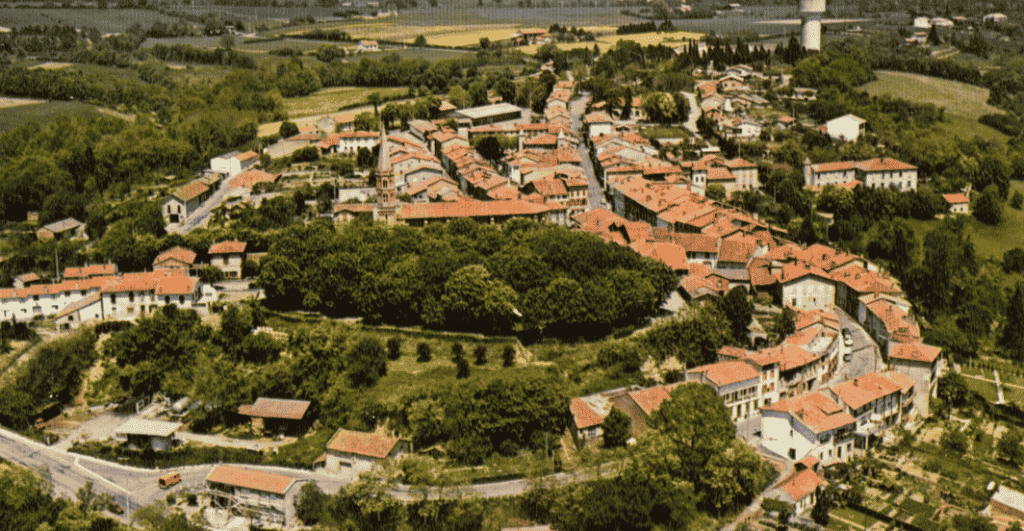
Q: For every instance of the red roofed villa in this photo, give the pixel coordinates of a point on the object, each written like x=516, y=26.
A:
x=269, y=498
x=352, y=452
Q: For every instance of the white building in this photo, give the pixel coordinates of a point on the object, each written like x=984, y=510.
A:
x=800, y=488
x=351, y=452
x=957, y=203
x=737, y=382
x=156, y=434
x=806, y=287
x=922, y=363
x=229, y=257
x=875, y=402
x=847, y=127
x=267, y=497
x=810, y=424
x=234, y=163
x=598, y=124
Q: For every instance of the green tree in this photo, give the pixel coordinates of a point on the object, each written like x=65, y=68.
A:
x=210, y=274
x=988, y=208
x=895, y=241
x=696, y=426
x=375, y=98
x=475, y=301
x=826, y=501
x=420, y=41
x=715, y=191
x=739, y=311
x=806, y=233
x=288, y=129
x=310, y=503
x=423, y=352
x=616, y=429
x=1011, y=338
x=1013, y=260
x=1009, y=447
x=394, y=348
x=660, y=107
x=367, y=362
x=783, y=325
x=480, y=355
x=508, y=356
x=461, y=368
x=489, y=147
x=954, y=440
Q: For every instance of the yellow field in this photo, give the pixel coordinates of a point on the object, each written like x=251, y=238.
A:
x=610, y=38
x=331, y=99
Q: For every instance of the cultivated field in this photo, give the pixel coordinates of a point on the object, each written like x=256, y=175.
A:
x=964, y=103
x=610, y=38
x=332, y=99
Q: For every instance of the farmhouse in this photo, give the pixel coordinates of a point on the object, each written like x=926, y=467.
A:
x=65, y=229
x=155, y=434
x=352, y=452
x=185, y=200
x=228, y=256
x=269, y=498
x=957, y=203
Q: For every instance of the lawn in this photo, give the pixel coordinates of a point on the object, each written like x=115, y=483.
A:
x=986, y=389
x=989, y=241
x=332, y=99
x=44, y=113
x=858, y=518
x=964, y=103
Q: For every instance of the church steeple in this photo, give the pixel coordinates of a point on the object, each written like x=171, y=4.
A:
x=386, y=195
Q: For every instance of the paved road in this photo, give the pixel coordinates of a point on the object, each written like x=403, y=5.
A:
x=595, y=193
x=865, y=357
x=691, y=124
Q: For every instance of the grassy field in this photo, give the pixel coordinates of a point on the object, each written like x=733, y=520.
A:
x=644, y=39
x=331, y=99
x=989, y=241
x=104, y=20
x=44, y=113
x=964, y=103
x=430, y=54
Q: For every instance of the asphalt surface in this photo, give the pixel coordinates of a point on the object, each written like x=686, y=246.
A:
x=864, y=355
x=198, y=218
x=691, y=123
x=595, y=192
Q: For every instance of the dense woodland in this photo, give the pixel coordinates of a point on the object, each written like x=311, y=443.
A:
x=465, y=276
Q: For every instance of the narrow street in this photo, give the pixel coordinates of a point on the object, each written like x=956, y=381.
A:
x=595, y=194
x=864, y=357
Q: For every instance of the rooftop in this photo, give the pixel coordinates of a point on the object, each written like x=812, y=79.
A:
x=727, y=372
x=817, y=411
x=228, y=247
x=250, y=479
x=152, y=428
x=275, y=408
x=361, y=443
x=859, y=392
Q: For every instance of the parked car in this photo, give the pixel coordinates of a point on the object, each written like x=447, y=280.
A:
x=115, y=508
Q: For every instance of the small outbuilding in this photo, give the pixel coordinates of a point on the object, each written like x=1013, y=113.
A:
x=352, y=452
x=155, y=434
x=276, y=414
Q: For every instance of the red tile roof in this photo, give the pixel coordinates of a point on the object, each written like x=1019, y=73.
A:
x=727, y=372
x=228, y=247
x=650, y=399
x=90, y=271
x=250, y=479
x=251, y=177
x=360, y=443
x=799, y=485
x=859, y=392
x=791, y=272
x=179, y=254
x=584, y=416
x=598, y=118
x=191, y=190
x=884, y=164
x=176, y=286
x=817, y=411
x=956, y=199
x=698, y=243
x=276, y=408
x=470, y=208
x=904, y=381
x=914, y=352
x=735, y=251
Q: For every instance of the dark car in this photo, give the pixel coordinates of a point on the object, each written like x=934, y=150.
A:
x=115, y=508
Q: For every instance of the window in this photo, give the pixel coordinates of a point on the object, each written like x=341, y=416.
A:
x=131, y=296
x=35, y=297
x=113, y=299
x=82, y=292
x=181, y=299
x=167, y=299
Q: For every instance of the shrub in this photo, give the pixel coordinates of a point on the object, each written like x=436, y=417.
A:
x=480, y=353
x=171, y=498
x=423, y=353
x=508, y=356
x=192, y=499
x=394, y=348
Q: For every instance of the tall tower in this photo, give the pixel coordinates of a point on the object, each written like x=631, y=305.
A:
x=810, y=15
x=387, y=204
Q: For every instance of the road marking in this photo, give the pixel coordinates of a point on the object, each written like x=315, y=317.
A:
x=101, y=478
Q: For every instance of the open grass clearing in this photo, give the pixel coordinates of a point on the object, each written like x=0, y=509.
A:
x=964, y=103
x=44, y=113
x=984, y=388
x=51, y=65
x=330, y=100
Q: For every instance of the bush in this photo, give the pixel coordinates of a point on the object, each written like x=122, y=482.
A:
x=109, y=327
x=394, y=348
x=423, y=353
x=508, y=356
x=480, y=353
x=171, y=498
x=1017, y=200
x=210, y=274
x=192, y=499
x=1013, y=260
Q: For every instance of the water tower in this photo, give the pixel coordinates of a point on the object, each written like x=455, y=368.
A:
x=810, y=14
